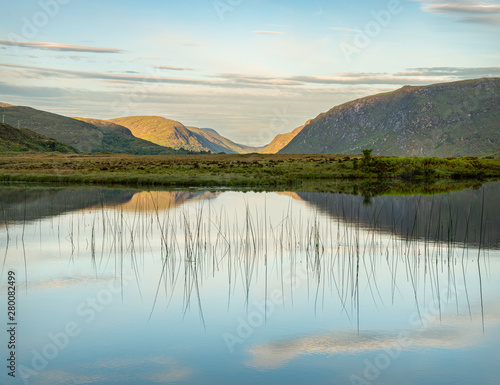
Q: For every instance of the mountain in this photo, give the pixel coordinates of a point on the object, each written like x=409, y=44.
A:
x=217, y=143
x=171, y=133
x=106, y=125
x=450, y=119
x=82, y=135
x=23, y=140
x=282, y=140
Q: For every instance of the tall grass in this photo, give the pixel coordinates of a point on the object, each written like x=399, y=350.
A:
x=341, y=257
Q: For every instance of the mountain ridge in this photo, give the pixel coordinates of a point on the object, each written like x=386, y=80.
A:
x=459, y=118
x=445, y=119
x=174, y=134
x=81, y=134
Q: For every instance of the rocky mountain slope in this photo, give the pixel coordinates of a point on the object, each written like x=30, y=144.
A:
x=449, y=119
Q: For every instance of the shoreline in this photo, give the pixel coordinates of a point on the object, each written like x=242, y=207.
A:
x=249, y=171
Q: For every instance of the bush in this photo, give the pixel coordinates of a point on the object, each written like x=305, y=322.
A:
x=367, y=156
x=415, y=170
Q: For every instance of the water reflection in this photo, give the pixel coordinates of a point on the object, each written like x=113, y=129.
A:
x=161, y=200
x=452, y=217
x=204, y=287
x=28, y=204
x=449, y=333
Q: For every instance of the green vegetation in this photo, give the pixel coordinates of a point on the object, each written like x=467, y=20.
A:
x=458, y=119
x=81, y=135
x=173, y=134
x=14, y=140
x=251, y=170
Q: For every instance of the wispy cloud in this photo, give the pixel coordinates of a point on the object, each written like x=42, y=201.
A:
x=31, y=91
x=269, y=33
x=483, y=12
x=415, y=76
x=173, y=68
x=276, y=354
x=453, y=334
x=458, y=72
x=467, y=8
x=44, y=72
x=492, y=20
x=58, y=47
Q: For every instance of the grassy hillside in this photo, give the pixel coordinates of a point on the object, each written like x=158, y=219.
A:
x=171, y=133
x=216, y=143
x=13, y=140
x=83, y=136
x=162, y=131
x=119, y=139
x=106, y=125
x=280, y=141
x=449, y=119
x=80, y=134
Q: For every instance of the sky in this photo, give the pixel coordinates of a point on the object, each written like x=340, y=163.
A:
x=251, y=69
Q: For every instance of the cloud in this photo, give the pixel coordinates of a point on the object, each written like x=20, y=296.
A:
x=269, y=33
x=471, y=11
x=352, y=78
x=452, y=333
x=173, y=68
x=127, y=78
x=416, y=76
x=161, y=370
x=31, y=91
x=462, y=8
x=58, y=47
x=379, y=79
x=459, y=72
x=275, y=354
x=493, y=20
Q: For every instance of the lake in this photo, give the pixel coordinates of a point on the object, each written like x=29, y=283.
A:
x=241, y=287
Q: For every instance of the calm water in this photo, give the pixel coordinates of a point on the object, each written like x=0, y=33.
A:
x=131, y=287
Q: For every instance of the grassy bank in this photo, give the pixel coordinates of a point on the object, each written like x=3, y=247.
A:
x=252, y=170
